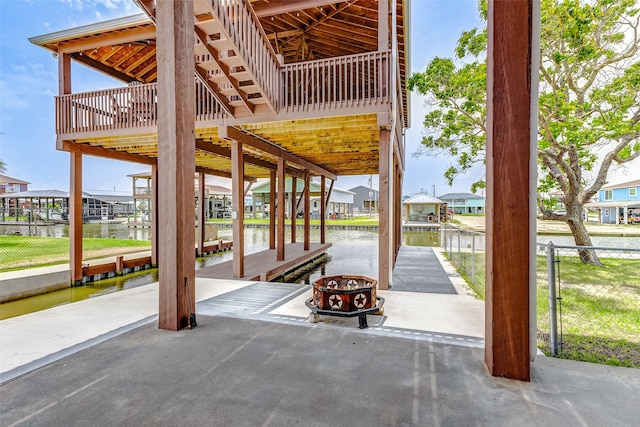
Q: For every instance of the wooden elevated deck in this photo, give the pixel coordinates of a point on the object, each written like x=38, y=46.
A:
x=263, y=265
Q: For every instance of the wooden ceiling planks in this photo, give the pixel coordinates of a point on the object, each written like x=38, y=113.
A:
x=328, y=29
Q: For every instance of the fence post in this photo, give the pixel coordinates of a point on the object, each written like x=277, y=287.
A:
x=473, y=258
x=553, y=324
x=451, y=244
x=459, y=255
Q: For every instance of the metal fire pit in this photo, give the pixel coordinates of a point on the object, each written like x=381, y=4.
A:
x=345, y=296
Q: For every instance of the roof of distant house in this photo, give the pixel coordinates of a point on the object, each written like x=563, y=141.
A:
x=57, y=194
x=217, y=189
x=634, y=183
x=4, y=179
x=422, y=199
x=460, y=196
x=354, y=189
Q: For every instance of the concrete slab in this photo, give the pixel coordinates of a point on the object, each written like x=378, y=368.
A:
x=242, y=372
x=35, y=339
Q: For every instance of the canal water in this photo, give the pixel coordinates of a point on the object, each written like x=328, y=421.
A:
x=353, y=252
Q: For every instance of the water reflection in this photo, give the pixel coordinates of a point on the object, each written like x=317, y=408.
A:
x=353, y=252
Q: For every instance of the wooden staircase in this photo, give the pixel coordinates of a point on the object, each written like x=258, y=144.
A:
x=233, y=57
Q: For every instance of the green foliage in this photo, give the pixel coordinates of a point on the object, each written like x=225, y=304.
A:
x=589, y=98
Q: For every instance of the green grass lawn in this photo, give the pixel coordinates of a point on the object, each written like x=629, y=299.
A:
x=600, y=307
x=24, y=251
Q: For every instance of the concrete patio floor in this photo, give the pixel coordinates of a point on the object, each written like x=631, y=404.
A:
x=254, y=359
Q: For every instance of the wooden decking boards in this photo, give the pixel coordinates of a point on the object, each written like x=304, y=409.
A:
x=263, y=265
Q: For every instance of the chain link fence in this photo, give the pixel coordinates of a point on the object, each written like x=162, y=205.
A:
x=584, y=312
x=588, y=312
x=25, y=244
x=465, y=250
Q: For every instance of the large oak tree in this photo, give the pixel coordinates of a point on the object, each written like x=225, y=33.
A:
x=589, y=105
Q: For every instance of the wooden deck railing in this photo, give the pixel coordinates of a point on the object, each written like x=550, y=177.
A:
x=121, y=108
x=342, y=82
x=241, y=24
x=348, y=82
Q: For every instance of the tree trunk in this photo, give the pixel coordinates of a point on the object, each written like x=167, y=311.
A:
x=581, y=237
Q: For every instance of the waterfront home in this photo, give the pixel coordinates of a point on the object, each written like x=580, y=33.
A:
x=618, y=203
x=339, y=201
x=365, y=199
x=12, y=185
x=464, y=203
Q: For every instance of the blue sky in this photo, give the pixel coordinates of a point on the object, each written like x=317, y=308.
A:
x=29, y=81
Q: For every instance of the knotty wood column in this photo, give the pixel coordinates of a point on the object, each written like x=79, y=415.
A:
x=307, y=210
x=153, y=211
x=237, y=206
x=272, y=210
x=176, y=162
x=281, y=210
x=508, y=175
x=323, y=208
x=383, y=212
x=201, y=221
x=75, y=218
x=294, y=206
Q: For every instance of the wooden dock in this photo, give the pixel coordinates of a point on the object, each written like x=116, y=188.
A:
x=263, y=266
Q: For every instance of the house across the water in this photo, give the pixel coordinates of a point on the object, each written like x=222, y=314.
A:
x=618, y=203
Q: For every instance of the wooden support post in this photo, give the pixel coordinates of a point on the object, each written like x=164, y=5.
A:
x=384, y=269
x=176, y=162
x=75, y=218
x=201, y=221
x=294, y=207
x=307, y=210
x=508, y=190
x=237, y=202
x=281, y=210
x=323, y=208
x=153, y=212
x=272, y=210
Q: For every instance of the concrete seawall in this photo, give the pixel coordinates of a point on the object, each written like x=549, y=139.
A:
x=35, y=281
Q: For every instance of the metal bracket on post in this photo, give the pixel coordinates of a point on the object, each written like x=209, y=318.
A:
x=553, y=315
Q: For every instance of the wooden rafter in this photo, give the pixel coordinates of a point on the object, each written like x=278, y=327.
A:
x=228, y=132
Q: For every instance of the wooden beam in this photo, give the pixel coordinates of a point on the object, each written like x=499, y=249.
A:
x=294, y=207
x=307, y=210
x=86, y=149
x=97, y=65
x=221, y=151
x=75, y=218
x=272, y=210
x=176, y=163
x=64, y=74
x=228, y=132
x=147, y=32
x=508, y=176
x=237, y=206
x=281, y=211
x=277, y=7
x=384, y=216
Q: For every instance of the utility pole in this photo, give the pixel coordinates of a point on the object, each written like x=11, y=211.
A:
x=370, y=192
